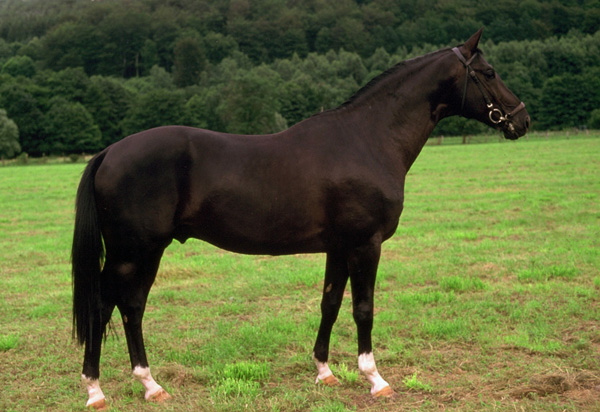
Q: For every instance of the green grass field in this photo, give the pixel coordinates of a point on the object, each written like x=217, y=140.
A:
x=487, y=299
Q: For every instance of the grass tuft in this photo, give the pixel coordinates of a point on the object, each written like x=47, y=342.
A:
x=246, y=371
x=413, y=383
x=461, y=284
x=8, y=342
x=543, y=274
x=332, y=406
x=235, y=388
x=342, y=372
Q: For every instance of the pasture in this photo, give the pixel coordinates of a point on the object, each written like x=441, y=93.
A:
x=487, y=299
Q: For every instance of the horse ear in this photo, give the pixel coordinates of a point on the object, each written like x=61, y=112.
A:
x=470, y=46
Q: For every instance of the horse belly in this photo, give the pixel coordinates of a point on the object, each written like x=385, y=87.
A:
x=256, y=223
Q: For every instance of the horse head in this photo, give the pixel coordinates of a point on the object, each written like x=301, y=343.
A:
x=482, y=95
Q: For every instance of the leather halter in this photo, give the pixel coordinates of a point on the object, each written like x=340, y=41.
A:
x=496, y=115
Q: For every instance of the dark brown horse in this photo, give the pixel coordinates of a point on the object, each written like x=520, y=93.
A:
x=332, y=184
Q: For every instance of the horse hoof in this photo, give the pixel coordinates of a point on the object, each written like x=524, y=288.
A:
x=160, y=396
x=99, y=405
x=386, y=392
x=331, y=380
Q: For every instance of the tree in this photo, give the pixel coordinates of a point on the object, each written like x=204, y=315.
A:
x=70, y=83
x=126, y=31
x=19, y=66
x=9, y=137
x=250, y=102
x=5, y=50
x=349, y=64
x=568, y=100
x=24, y=109
x=595, y=119
x=159, y=107
x=219, y=46
x=189, y=61
x=108, y=100
x=73, y=45
x=70, y=128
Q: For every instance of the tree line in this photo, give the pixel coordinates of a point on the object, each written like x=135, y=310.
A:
x=76, y=76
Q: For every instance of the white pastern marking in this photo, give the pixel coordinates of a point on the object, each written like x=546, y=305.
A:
x=94, y=392
x=323, y=369
x=366, y=364
x=143, y=375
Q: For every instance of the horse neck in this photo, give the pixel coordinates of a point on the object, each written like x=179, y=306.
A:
x=403, y=107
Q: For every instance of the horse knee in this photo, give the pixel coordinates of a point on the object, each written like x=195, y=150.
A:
x=363, y=313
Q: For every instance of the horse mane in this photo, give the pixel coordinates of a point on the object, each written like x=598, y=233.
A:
x=384, y=75
x=380, y=78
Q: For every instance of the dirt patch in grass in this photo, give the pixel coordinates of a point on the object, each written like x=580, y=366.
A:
x=571, y=385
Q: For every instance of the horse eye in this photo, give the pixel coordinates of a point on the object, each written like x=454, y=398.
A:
x=490, y=74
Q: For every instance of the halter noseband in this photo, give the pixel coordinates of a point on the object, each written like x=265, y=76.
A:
x=496, y=115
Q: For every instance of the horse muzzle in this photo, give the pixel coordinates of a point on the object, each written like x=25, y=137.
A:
x=514, y=124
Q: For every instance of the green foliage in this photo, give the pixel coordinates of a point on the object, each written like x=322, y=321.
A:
x=23, y=105
x=108, y=100
x=188, y=62
x=19, y=66
x=158, y=107
x=259, y=66
x=595, y=119
x=70, y=84
x=249, y=102
x=69, y=127
x=9, y=137
x=562, y=104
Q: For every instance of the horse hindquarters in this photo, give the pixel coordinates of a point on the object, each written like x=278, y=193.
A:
x=133, y=253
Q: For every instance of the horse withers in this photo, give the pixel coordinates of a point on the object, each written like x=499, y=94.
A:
x=332, y=184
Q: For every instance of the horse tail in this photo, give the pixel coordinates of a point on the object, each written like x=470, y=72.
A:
x=87, y=255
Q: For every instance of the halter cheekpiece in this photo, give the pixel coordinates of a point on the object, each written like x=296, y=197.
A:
x=496, y=115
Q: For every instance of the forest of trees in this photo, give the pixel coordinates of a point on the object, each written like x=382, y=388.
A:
x=78, y=75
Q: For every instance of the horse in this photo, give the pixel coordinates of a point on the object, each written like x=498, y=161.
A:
x=332, y=184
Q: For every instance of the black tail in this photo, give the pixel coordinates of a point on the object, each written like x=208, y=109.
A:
x=87, y=255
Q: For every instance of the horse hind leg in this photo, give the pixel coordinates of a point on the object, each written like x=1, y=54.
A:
x=133, y=283
x=91, y=362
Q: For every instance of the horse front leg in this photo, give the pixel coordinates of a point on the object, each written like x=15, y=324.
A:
x=336, y=277
x=362, y=264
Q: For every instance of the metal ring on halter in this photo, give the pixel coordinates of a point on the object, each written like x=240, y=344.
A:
x=501, y=118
